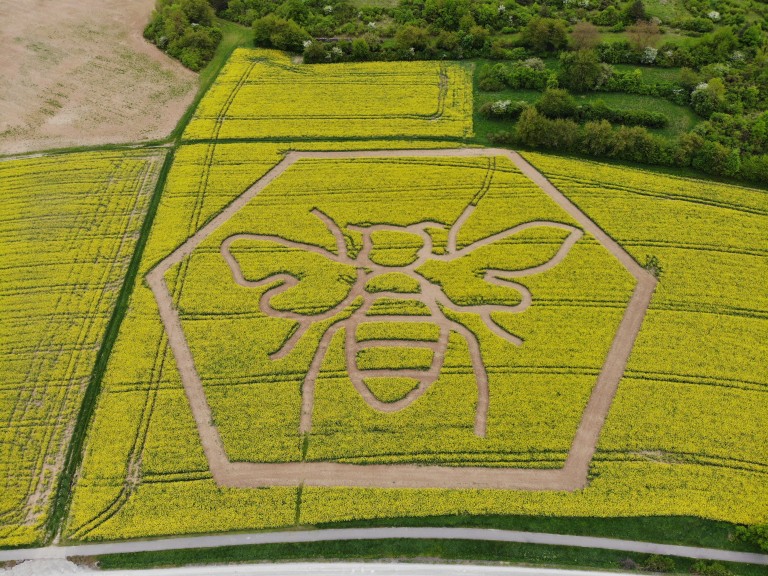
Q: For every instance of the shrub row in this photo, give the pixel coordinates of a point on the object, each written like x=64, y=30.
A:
x=635, y=144
x=558, y=103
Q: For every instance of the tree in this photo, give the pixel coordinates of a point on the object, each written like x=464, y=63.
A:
x=585, y=36
x=314, y=52
x=579, y=71
x=598, y=138
x=708, y=97
x=219, y=5
x=608, y=17
x=531, y=127
x=198, y=12
x=557, y=103
x=476, y=37
x=643, y=34
x=715, y=158
x=446, y=14
x=635, y=11
x=360, y=49
x=274, y=32
x=545, y=35
x=185, y=29
x=408, y=37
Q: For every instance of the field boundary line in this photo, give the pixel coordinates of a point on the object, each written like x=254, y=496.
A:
x=349, y=534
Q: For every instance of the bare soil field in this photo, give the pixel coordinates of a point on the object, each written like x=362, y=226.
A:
x=79, y=72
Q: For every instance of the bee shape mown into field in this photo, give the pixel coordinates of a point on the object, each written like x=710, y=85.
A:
x=402, y=286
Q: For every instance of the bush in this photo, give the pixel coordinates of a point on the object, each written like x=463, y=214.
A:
x=195, y=47
x=503, y=109
x=755, y=534
x=314, y=52
x=545, y=35
x=531, y=128
x=184, y=29
x=597, y=138
x=628, y=564
x=755, y=168
x=708, y=97
x=557, y=103
x=608, y=17
x=579, y=71
x=412, y=37
x=714, y=158
x=710, y=569
x=529, y=74
x=585, y=36
x=599, y=111
x=658, y=563
x=521, y=76
x=694, y=24
x=502, y=137
x=360, y=49
x=490, y=78
x=274, y=32
x=617, y=53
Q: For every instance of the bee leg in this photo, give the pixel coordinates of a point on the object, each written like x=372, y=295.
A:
x=308, y=386
x=481, y=378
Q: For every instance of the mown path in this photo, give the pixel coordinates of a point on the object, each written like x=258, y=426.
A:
x=481, y=534
x=572, y=476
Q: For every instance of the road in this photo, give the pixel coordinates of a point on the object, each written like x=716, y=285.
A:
x=376, y=534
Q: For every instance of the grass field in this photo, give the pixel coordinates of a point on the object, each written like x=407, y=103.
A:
x=667, y=10
x=681, y=118
x=69, y=228
x=261, y=94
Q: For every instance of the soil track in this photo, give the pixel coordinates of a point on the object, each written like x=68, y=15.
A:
x=571, y=477
x=79, y=72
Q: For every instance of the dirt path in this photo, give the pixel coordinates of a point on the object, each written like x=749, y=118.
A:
x=358, y=303
x=79, y=72
x=241, y=474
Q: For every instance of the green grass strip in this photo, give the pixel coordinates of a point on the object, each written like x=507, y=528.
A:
x=679, y=530
x=76, y=448
x=405, y=549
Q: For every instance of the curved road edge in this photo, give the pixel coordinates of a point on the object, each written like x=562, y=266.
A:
x=326, y=535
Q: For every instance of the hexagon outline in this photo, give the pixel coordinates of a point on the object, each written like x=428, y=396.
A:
x=572, y=476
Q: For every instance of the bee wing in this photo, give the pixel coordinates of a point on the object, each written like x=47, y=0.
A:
x=286, y=280
x=574, y=235
x=283, y=281
x=501, y=277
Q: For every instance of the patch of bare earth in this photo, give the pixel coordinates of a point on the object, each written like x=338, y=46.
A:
x=79, y=72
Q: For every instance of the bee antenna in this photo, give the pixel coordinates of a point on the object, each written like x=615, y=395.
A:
x=453, y=232
x=341, y=245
